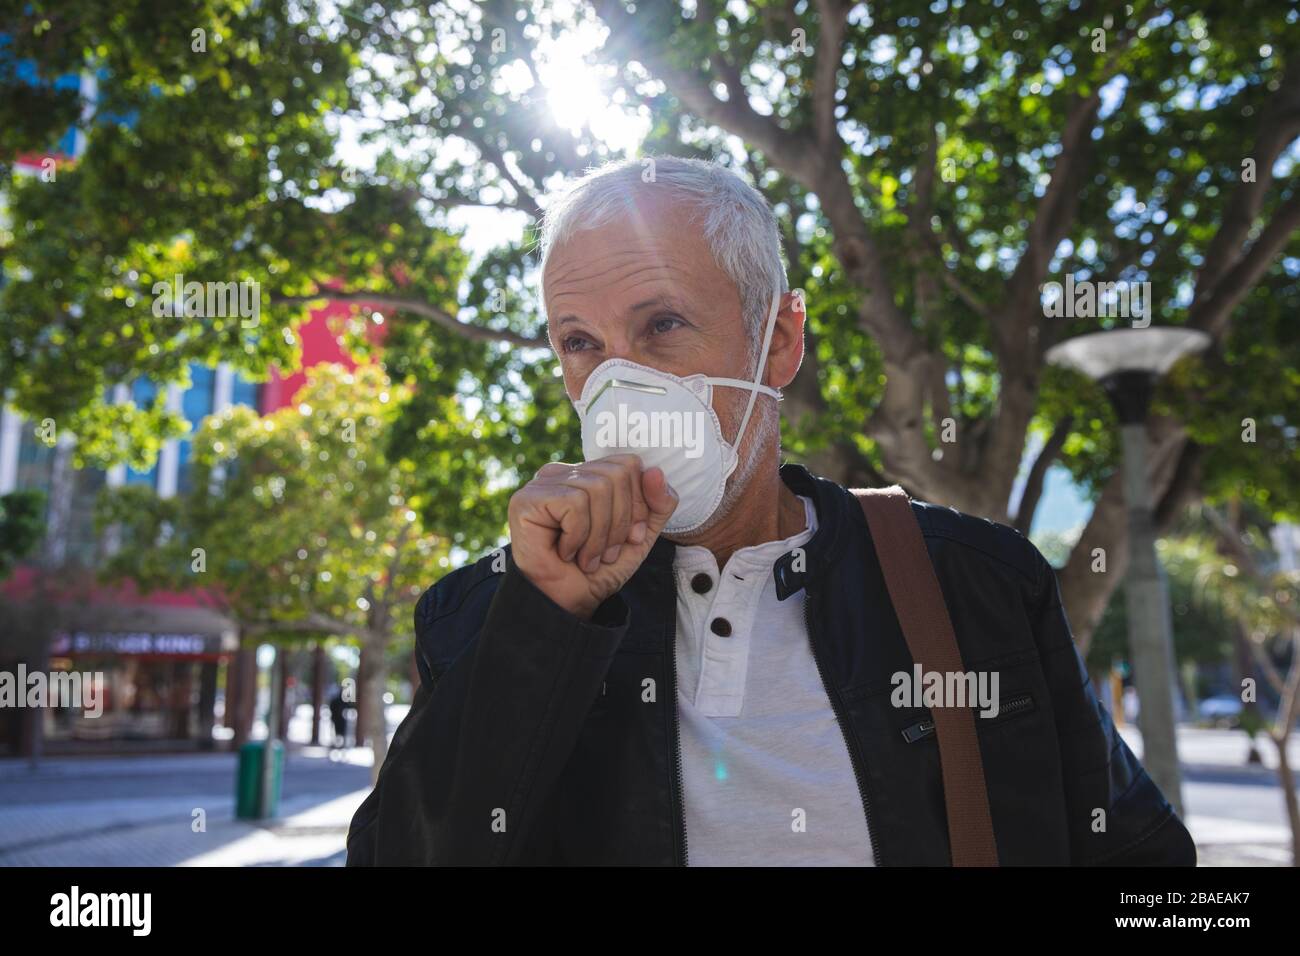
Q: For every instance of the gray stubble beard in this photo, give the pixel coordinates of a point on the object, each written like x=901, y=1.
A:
x=764, y=431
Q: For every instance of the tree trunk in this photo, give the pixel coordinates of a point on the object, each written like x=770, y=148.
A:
x=53, y=560
x=374, y=678
x=182, y=692
x=242, y=670
x=207, y=703
x=1286, y=777
x=286, y=705
x=232, y=692
x=317, y=690
x=1243, y=667
x=1288, y=710
x=359, y=698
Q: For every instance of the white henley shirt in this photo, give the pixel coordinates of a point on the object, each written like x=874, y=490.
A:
x=767, y=777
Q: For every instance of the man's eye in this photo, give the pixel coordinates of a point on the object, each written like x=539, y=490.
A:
x=665, y=323
x=575, y=343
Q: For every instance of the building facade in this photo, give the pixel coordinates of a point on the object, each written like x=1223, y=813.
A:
x=173, y=670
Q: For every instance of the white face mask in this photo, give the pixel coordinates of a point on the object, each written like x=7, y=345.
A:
x=670, y=423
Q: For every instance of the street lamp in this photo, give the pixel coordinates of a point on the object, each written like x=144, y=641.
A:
x=1128, y=363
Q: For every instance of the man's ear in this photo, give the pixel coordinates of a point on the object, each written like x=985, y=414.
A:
x=786, y=352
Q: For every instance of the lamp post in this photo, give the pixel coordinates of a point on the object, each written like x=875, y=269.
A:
x=1128, y=363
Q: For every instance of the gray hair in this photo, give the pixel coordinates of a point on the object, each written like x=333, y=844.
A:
x=739, y=225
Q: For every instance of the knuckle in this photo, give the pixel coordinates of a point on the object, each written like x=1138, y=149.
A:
x=602, y=481
x=573, y=493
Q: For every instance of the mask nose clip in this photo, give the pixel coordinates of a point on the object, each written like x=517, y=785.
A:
x=583, y=404
x=630, y=386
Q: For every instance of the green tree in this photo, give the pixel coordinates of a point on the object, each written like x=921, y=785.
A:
x=295, y=523
x=934, y=163
x=22, y=524
x=206, y=145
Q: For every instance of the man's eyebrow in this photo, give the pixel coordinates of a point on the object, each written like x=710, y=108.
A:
x=663, y=299
x=660, y=300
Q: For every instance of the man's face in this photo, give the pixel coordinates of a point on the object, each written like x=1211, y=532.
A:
x=646, y=288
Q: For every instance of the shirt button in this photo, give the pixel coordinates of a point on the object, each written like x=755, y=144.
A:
x=701, y=583
x=721, y=627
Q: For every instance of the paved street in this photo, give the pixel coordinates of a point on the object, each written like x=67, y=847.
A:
x=138, y=811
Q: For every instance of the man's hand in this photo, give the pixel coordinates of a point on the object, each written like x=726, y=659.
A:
x=578, y=532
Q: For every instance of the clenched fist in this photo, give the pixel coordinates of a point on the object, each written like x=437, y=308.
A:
x=578, y=532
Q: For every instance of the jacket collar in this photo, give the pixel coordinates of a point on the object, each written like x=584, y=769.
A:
x=823, y=551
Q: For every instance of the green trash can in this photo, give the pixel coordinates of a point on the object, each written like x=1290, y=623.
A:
x=248, y=786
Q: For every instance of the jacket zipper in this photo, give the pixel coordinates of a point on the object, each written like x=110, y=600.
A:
x=837, y=706
x=925, y=728
x=1015, y=705
x=677, y=732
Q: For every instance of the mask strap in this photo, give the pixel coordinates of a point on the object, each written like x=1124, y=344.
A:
x=741, y=383
x=755, y=386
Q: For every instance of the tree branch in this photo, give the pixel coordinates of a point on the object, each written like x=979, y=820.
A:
x=734, y=114
x=1183, y=487
x=494, y=155
x=949, y=277
x=1266, y=666
x=1279, y=124
x=1037, y=472
x=724, y=69
x=1054, y=212
x=820, y=171
x=1213, y=313
x=456, y=202
x=475, y=333
x=1231, y=543
x=829, y=53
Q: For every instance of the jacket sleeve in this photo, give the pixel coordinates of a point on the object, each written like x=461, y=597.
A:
x=475, y=761
x=1117, y=815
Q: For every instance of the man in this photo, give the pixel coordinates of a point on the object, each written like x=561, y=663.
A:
x=687, y=655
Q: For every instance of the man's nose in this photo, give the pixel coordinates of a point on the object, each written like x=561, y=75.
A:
x=628, y=353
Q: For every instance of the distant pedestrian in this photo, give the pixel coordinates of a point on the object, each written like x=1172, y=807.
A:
x=339, y=720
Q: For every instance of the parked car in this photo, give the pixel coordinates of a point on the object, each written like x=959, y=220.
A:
x=1222, y=710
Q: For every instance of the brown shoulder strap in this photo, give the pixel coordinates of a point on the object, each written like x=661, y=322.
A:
x=918, y=602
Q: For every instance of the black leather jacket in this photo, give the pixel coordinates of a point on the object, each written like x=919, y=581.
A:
x=539, y=738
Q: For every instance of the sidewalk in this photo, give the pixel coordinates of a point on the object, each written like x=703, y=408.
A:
x=1234, y=810
x=144, y=810
x=175, y=811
